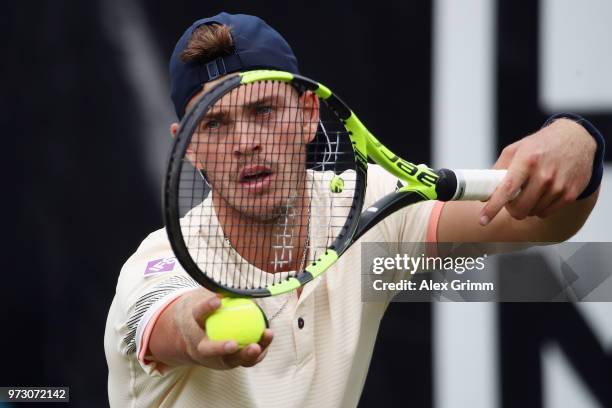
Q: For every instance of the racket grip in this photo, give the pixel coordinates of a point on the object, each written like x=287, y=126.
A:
x=468, y=184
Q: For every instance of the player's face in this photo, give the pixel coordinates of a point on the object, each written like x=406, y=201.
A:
x=252, y=146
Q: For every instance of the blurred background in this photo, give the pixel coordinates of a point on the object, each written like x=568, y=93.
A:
x=446, y=82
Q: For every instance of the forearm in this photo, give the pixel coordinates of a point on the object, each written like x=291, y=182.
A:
x=459, y=222
x=166, y=345
x=561, y=225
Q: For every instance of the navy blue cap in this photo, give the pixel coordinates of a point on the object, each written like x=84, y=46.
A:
x=256, y=45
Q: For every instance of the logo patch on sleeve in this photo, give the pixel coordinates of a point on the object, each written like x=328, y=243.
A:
x=160, y=266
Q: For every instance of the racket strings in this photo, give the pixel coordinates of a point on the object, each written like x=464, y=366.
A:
x=255, y=185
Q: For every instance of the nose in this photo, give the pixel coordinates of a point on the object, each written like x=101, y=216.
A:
x=247, y=139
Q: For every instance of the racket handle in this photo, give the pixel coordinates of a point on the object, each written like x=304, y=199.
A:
x=468, y=184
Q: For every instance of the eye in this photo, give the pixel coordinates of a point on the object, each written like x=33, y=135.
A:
x=211, y=124
x=263, y=110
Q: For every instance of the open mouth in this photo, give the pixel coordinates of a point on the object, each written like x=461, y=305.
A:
x=255, y=177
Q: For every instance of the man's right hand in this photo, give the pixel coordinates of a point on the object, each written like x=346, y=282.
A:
x=179, y=337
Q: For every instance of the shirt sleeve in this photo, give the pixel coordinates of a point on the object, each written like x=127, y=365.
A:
x=149, y=282
x=414, y=223
x=146, y=323
x=412, y=229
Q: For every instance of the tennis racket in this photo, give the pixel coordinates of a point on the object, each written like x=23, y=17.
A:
x=266, y=183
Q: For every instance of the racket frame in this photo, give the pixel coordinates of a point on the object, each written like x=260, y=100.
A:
x=175, y=162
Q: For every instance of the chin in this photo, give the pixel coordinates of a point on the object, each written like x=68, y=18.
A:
x=264, y=211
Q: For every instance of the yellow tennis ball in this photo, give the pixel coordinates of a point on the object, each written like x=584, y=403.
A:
x=336, y=185
x=236, y=319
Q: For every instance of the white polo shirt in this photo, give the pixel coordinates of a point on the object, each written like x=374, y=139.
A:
x=323, y=340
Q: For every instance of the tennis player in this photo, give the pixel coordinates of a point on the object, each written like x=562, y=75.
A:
x=156, y=346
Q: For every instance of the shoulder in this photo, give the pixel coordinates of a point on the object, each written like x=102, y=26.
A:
x=411, y=223
x=148, y=278
x=152, y=260
x=154, y=247
x=380, y=183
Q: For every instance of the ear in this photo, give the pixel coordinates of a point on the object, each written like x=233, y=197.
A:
x=310, y=104
x=174, y=127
